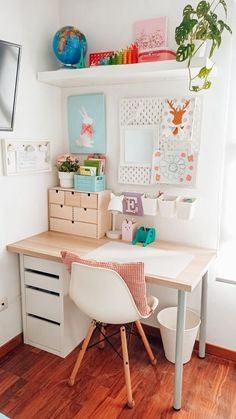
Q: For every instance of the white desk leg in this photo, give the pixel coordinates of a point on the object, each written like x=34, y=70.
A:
x=202, y=336
x=179, y=349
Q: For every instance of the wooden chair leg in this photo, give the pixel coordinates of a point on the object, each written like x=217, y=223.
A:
x=101, y=345
x=145, y=342
x=126, y=367
x=79, y=359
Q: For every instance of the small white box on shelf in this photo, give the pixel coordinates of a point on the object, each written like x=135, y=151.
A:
x=167, y=205
x=149, y=205
x=185, y=207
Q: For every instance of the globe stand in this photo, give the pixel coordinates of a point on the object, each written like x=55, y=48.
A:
x=68, y=67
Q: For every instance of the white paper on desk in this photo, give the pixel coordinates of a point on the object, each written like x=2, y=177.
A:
x=166, y=263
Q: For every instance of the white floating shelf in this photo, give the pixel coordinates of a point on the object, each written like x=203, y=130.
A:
x=118, y=74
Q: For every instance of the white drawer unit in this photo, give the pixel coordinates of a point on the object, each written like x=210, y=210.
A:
x=80, y=213
x=42, y=333
x=50, y=309
x=45, y=282
x=51, y=321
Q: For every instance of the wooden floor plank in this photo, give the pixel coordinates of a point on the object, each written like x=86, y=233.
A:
x=34, y=385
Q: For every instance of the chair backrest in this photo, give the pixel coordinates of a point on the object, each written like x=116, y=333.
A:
x=102, y=294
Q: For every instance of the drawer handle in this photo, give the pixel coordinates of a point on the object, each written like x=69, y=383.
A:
x=85, y=209
x=57, y=190
x=72, y=222
x=61, y=206
x=72, y=193
x=34, y=271
x=43, y=290
x=43, y=318
x=88, y=194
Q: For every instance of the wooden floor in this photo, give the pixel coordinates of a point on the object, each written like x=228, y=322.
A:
x=33, y=384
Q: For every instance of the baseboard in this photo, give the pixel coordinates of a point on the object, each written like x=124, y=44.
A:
x=218, y=351
x=210, y=349
x=11, y=344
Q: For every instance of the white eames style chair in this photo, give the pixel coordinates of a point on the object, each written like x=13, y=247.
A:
x=103, y=296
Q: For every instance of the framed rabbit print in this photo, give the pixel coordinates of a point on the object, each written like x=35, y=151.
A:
x=86, y=124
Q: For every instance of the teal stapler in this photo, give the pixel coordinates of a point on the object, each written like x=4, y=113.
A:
x=144, y=235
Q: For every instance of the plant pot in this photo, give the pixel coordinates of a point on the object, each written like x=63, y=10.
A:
x=185, y=207
x=66, y=179
x=167, y=206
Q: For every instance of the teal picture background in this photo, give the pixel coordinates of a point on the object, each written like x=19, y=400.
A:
x=82, y=109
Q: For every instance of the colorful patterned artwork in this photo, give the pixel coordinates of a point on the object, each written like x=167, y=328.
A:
x=86, y=120
x=174, y=167
x=177, y=118
x=151, y=34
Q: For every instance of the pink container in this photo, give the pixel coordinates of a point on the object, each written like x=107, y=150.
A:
x=129, y=229
x=158, y=55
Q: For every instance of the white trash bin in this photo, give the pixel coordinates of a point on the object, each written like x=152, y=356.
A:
x=167, y=319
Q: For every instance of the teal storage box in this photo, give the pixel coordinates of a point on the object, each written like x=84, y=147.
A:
x=89, y=183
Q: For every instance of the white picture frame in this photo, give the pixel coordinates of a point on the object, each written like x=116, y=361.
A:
x=25, y=156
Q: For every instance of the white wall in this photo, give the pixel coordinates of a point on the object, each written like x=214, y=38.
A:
x=108, y=24
x=23, y=203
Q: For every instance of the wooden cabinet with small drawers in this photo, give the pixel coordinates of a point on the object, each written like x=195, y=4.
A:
x=80, y=213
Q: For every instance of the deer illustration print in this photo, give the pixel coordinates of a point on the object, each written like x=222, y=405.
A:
x=178, y=114
x=86, y=134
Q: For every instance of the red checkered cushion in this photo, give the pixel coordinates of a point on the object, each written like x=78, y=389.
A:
x=132, y=273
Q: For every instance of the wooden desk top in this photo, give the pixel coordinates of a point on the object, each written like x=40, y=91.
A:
x=48, y=245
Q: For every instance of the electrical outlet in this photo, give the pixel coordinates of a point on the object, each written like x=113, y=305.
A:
x=3, y=303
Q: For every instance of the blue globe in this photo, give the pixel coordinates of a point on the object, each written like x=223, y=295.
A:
x=68, y=45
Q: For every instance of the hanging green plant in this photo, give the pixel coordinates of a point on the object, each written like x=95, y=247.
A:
x=198, y=28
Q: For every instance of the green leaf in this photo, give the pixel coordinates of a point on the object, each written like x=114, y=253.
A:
x=214, y=16
x=184, y=52
x=184, y=29
x=202, y=8
x=188, y=10
x=201, y=31
x=224, y=6
x=207, y=85
x=221, y=24
x=228, y=29
x=181, y=33
x=204, y=72
x=212, y=22
x=213, y=47
x=195, y=88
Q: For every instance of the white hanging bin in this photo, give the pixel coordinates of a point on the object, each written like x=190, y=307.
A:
x=185, y=207
x=167, y=205
x=149, y=205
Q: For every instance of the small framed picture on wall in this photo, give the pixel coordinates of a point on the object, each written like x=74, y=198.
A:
x=87, y=124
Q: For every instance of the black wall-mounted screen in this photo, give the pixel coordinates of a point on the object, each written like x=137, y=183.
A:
x=9, y=70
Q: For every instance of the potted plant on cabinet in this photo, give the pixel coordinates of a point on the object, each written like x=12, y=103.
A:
x=67, y=166
x=200, y=27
